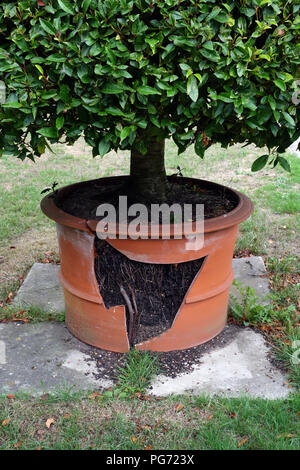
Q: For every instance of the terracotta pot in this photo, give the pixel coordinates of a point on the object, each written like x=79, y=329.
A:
x=203, y=312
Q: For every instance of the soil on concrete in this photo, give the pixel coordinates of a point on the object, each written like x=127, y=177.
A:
x=84, y=200
x=151, y=293
x=170, y=363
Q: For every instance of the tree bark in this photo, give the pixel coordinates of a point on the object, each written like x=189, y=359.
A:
x=148, y=180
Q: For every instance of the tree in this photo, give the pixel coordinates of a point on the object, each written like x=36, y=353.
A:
x=128, y=74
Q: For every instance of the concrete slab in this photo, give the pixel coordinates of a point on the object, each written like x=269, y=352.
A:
x=41, y=287
x=44, y=356
x=251, y=272
x=242, y=368
x=37, y=358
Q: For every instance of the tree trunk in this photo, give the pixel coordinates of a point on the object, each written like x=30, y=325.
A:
x=148, y=180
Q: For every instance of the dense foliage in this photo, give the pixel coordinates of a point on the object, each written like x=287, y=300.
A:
x=119, y=71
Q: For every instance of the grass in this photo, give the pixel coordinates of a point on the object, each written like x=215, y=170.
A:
x=136, y=375
x=29, y=315
x=83, y=421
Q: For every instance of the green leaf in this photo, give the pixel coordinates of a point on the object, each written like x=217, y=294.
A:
x=103, y=147
x=66, y=6
x=114, y=111
x=85, y=5
x=41, y=146
x=289, y=119
x=147, y=90
x=126, y=131
x=192, y=88
x=112, y=89
x=60, y=122
x=199, y=147
x=284, y=163
x=95, y=49
x=12, y=104
x=272, y=102
x=50, y=132
x=259, y=163
x=47, y=26
x=56, y=58
x=280, y=84
x=40, y=69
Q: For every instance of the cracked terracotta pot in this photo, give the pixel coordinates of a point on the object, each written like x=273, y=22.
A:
x=203, y=312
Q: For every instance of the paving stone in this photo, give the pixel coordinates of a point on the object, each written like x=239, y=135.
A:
x=241, y=368
x=251, y=272
x=41, y=289
x=44, y=356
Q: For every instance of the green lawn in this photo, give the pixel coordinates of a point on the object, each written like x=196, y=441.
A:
x=26, y=236
x=86, y=421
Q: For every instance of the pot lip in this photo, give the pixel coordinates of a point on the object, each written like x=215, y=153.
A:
x=241, y=212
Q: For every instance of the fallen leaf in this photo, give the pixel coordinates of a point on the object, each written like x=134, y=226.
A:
x=94, y=395
x=67, y=416
x=5, y=422
x=9, y=298
x=17, y=444
x=210, y=417
x=242, y=442
x=38, y=448
x=146, y=426
x=11, y=397
x=49, y=422
x=134, y=439
x=179, y=407
x=148, y=448
x=45, y=396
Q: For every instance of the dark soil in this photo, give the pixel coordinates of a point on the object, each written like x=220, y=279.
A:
x=155, y=291
x=83, y=200
x=170, y=363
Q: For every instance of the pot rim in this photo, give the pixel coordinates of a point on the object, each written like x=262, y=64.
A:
x=240, y=213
